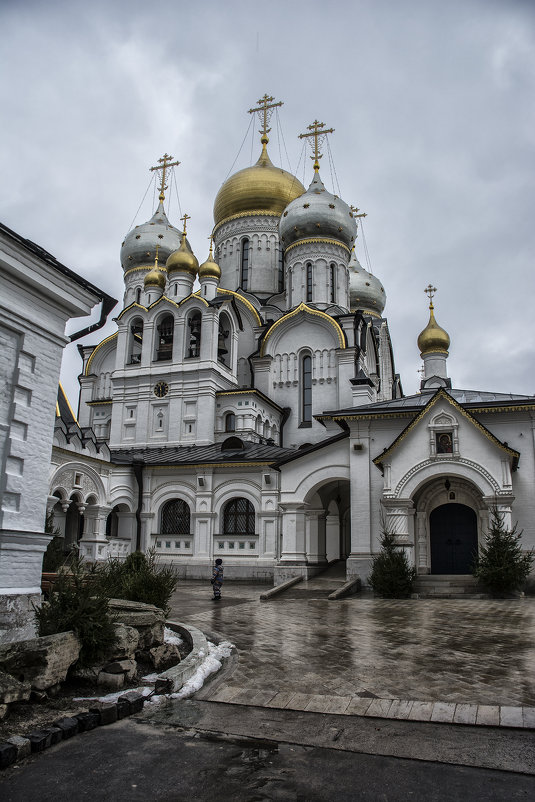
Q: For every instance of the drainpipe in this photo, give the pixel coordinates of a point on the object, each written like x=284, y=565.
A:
x=137, y=467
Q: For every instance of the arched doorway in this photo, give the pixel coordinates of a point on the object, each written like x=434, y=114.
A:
x=453, y=539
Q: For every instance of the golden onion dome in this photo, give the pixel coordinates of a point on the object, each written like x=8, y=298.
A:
x=155, y=278
x=210, y=268
x=433, y=338
x=183, y=259
x=260, y=188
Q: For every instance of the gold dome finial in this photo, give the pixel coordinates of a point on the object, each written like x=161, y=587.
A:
x=316, y=130
x=183, y=259
x=155, y=277
x=433, y=339
x=210, y=268
x=164, y=164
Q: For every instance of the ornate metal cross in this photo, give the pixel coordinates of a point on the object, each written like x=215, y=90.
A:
x=319, y=134
x=164, y=164
x=185, y=219
x=430, y=290
x=264, y=111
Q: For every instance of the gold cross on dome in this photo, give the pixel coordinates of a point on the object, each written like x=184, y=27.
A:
x=430, y=290
x=355, y=209
x=264, y=111
x=185, y=219
x=211, y=238
x=163, y=164
x=319, y=134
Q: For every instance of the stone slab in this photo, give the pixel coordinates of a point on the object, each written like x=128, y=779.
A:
x=443, y=712
x=488, y=715
x=421, y=711
x=528, y=715
x=358, y=706
x=400, y=709
x=465, y=714
x=511, y=716
x=298, y=701
x=280, y=699
x=379, y=708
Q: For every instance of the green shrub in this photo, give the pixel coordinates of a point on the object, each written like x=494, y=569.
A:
x=138, y=578
x=54, y=556
x=501, y=566
x=392, y=576
x=76, y=603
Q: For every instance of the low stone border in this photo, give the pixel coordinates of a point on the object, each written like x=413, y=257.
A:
x=280, y=588
x=100, y=714
x=174, y=678
x=349, y=587
x=520, y=717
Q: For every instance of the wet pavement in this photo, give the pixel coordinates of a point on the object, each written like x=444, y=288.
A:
x=359, y=651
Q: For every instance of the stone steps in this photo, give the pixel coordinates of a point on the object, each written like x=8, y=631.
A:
x=448, y=586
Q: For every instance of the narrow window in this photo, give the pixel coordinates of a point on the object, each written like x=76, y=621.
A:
x=165, y=338
x=281, y=269
x=309, y=281
x=223, y=340
x=138, y=295
x=136, y=342
x=333, y=283
x=193, y=348
x=230, y=422
x=244, y=264
x=306, y=390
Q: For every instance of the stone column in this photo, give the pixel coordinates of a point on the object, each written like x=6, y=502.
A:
x=93, y=543
x=316, y=536
x=293, y=534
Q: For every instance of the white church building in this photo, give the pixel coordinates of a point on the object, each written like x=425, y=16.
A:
x=256, y=415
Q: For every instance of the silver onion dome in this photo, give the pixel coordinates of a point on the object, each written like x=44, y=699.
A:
x=365, y=290
x=139, y=246
x=317, y=213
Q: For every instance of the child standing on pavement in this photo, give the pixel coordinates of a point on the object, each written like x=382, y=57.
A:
x=217, y=578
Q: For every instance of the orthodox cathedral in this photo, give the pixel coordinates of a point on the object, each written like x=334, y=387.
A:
x=248, y=407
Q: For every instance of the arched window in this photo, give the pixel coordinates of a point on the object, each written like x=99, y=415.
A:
x=175, y=518
x=332, y=277
x=138, y=295
x=112, y=523
x=309, y=281
x=306, y=390
x=244, y=277
x=193, y=343
x=230, y=422
x=136, y=341
x=281, y=269
x=239, y=517
x=165, y=329
x=223, y=340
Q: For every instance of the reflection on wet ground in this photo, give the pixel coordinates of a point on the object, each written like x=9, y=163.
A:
x=475, y=651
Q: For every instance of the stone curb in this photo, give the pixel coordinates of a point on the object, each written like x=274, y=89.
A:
x=18, y=747
x=349, y=587
x=174, y=678
x=280, y=588
x=515, y=717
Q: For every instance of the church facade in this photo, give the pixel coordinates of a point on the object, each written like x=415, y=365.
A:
x=257, y=415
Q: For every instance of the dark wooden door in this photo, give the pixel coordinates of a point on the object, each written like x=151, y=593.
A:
x=453, y=539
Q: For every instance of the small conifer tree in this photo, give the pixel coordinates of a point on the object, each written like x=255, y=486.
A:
x=501, y=566
x=392, y=576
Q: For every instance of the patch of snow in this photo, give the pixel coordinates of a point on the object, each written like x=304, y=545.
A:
x=172, y=637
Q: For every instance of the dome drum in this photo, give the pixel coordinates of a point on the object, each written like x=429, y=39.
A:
x=140, y=244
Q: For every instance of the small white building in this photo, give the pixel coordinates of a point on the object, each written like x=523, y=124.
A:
x=259, y=417
x=38, y=296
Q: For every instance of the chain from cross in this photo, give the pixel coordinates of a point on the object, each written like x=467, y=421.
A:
x=355, y=209
x=430, y=291
x=316, y=130
x=164, y=164
x=264, y=111
x=185, y=219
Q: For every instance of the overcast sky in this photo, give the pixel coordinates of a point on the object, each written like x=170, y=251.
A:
x=433, y=106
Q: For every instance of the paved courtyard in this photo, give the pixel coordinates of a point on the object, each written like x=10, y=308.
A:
x=476, y=652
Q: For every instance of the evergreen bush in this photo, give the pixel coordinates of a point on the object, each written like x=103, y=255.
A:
x=501, y=566
x=138, y=578
x=392, y=576
x=76, y=603
x=54, y=556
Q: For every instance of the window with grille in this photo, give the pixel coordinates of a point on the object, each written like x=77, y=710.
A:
x=165, y=329
x=309, y=281
x=244, y=264
x=230, y=422
x=239, y=517
x=175, y=518
x=281, y=269
x=193, y=337
x=306, y=390
x=333, y=283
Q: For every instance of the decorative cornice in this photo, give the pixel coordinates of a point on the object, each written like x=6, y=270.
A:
x=133, y=305
x=144, y=267
x=254, y=213
x=428, y=463
x=244, y=301
x=253, y=391
x=307, y=310
x=99, y=346
x=197, y=295
x=312, y=240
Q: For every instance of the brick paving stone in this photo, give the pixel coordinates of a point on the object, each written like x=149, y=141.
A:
x=379, y=708
x=443, y=712
x=465, y=714
x=298, y=701
x=224, y=694
x=280, y=699
x=528, y=716
x=511, y=716
x=338, y=704
x=358, y=706
x=488, y=715
x=421, y=711
x=400, y=709
x=251, y=696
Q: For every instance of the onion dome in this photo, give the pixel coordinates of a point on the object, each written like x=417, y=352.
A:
x=183, y=259
x=260, y=188
x=365, y=290
x=139, y=246
x=210, y=268
x=433, y=339
x=155, y=278
x=317, y=213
